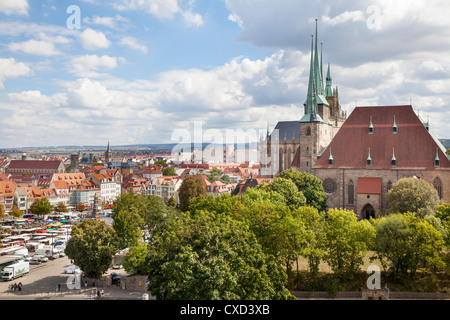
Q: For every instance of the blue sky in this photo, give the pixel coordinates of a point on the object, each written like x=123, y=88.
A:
x=136, y=71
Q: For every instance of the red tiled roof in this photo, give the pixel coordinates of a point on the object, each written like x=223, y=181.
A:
x=369, y=185
x=413, y=144
x=34, y=164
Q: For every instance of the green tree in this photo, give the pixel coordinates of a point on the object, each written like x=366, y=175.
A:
x=41, y=207
x=412, y=195
x=60, y=207
x=190, y=188
x=405, y=242
x=160, y=162
x=346, y=242
x=2, y=211
x=314, y=246
x=91, y=247
x=309, y=185
x=287, y=188
x=136, y=258
x=212, y=257
x=169, y=171
x=15, y=212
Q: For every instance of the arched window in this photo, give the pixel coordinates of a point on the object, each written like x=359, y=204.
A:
x=438, y=186
x=308, y=131
x=280, y=164
x=351, y=192
x=389, y=185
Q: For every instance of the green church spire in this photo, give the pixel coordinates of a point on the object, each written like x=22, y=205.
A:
x=328, y=88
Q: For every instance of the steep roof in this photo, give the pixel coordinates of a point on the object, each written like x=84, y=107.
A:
x=413, y=144
x=289, y=128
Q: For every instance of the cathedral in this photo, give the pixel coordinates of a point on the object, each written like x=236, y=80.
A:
x=357, y=158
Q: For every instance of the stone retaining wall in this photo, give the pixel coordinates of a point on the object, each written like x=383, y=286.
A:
x=358, y=295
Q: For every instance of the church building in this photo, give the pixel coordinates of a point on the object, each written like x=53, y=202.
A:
x=358, y=159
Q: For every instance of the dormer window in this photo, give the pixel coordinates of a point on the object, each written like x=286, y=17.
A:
x=393, y=160
x=394, y=128
x=330, y=159
x=371, y=126
x=369, y=160
x=436, y=160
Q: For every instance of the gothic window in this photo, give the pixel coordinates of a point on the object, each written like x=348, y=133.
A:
x=351, y=192
x=308, y=131
x=438, y=186
x=329, y=186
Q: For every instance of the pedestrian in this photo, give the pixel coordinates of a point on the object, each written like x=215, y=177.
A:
x=92, y=294
x=20, y=286
x=15, y=287
x=103, y=291
x=85, y=283
x=98, y=293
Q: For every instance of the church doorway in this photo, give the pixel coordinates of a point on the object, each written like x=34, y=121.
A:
x=368, y=211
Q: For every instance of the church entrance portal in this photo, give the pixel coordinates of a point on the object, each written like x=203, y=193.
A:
x=368, y=211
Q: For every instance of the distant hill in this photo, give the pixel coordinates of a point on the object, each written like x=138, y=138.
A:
x=445, y=143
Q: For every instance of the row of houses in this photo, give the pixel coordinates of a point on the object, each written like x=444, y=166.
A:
x=30, y=180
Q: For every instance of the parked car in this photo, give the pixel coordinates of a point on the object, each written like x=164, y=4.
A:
x=72, y=269
x=117, y=266
x=41, y=258
x=35, y=261
x=115, y=279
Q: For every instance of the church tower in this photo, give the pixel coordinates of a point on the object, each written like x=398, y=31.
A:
x=316, y=127
x=108, y=155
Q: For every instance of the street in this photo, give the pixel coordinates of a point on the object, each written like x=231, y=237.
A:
x=42, y=278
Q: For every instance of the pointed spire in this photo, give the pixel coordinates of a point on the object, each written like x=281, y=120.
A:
x=371, y=126
x=107, y=149
x=317, y=69
x=328, y=88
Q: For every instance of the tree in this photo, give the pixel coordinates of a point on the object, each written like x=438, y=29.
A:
x=314, y=246
x=169, y=171
x=2, y=211
x=91, y=247
x=209, y=257
x=309, y=185
x=287, y=188
x=412, y=195
x=190, y=188
x=41, y=207
x=172, y=202
x=60, y=207
x=346, y=242
x=15, y=212
x=160, y=162
x=405, y=242
x=81, y=207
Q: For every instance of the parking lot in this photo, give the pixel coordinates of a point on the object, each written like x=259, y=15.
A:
x=43, y=279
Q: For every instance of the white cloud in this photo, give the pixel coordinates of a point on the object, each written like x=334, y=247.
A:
x=88, y=65
x=37, y=47
x=346, y=16
x=132, y=42
x=9, y=68
x=192, y=19
x=160, y=9
x=19, y=7
x=110, y=22
x=93, y=40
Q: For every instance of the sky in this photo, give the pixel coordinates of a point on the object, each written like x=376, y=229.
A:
x=86, y=72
